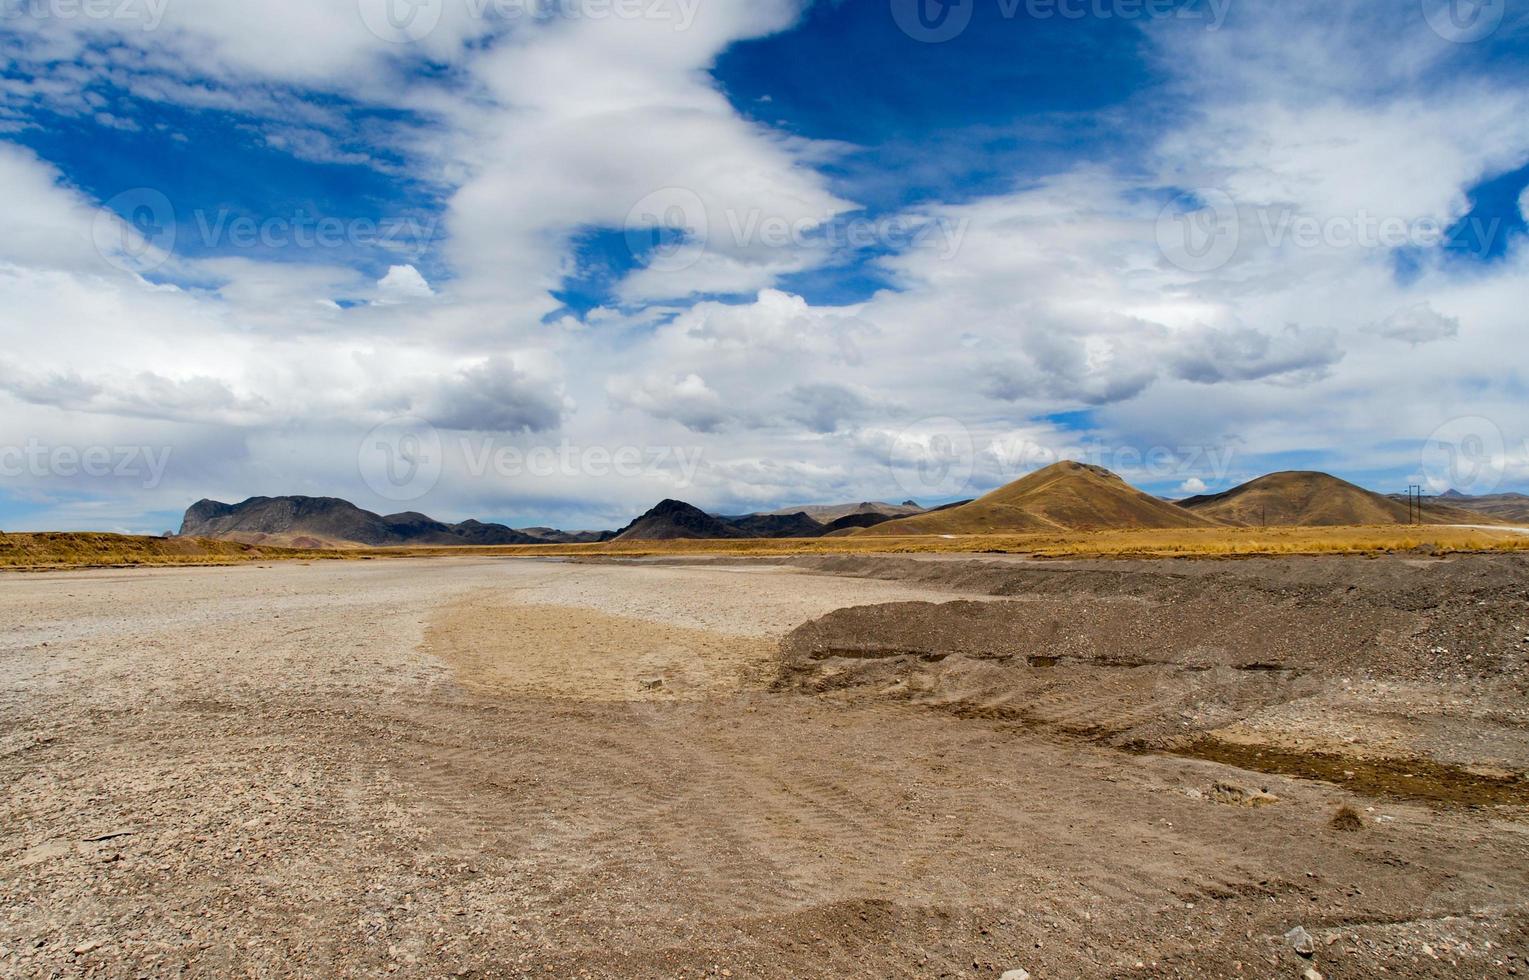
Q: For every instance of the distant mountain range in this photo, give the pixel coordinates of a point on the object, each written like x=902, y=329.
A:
x=827, y=514
x=1067, y=496
x=675, y=520
x=1511, y=507
x=328, y=522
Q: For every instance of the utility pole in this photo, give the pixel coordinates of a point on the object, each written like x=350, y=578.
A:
x=1414, y=504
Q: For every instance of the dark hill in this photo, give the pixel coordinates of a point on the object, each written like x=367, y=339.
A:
x=855, y=521
x=332, y=522
x=797, y=525
x=675, y=520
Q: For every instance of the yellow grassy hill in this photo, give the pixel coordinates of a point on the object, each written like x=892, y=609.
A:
x=1067, y=496
x=1308, y=499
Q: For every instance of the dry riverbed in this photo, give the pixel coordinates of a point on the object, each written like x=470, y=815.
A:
x=803, y=767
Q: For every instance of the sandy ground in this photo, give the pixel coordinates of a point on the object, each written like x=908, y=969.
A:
x=521, y=768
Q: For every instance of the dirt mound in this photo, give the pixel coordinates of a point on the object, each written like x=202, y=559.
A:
x=1294, y=667
x=1065, y=497
x=1131, y=678
x=1303, y=498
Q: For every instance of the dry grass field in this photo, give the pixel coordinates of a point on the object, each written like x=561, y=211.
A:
x=72, y=550
x=1210, y=542
x=63, y=550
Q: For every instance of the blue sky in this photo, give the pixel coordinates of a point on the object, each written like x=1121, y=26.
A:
x=817, y=246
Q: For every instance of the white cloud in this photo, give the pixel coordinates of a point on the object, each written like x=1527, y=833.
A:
x=1051, y=297
x=494, y=396
x=1420, y=324
x=403, y=283
x=687, y=400
x=824, y=407
x=1245, y=354
x=619, y=112
x=283, y=40
x=1193, y=486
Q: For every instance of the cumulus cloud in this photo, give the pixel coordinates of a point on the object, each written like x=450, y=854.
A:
x=1420, y=324
x=288, y=41
x=1217, y=355
x=403, y=283
x=1092, y=370
x=494, y=396
x=1044, y=298
x=823, y=407
x=687, y=400
x=143, y=395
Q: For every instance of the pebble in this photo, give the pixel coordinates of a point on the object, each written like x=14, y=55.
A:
x=1016, y=975
x=1300, y=940
x=1311, y=974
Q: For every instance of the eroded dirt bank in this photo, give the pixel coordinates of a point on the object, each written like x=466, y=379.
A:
x=507, y=769
x=1405, y=677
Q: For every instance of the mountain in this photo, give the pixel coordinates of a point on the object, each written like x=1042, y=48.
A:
x=852, y=522
x=674, y=520
x=1313, y=499
x=1067, y=496
x=1510, y=507
x=1513, y=507
x=797, y=525
x=828, y=513
x=551, y=535
x=329, y=522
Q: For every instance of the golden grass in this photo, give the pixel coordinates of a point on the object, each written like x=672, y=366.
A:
x=47, y=550
x=1188, y=542
x=72, y=550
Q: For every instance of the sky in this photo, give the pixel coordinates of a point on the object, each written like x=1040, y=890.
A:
x=548, y=263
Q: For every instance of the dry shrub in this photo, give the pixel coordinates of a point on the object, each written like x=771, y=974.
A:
x=1347, y=819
